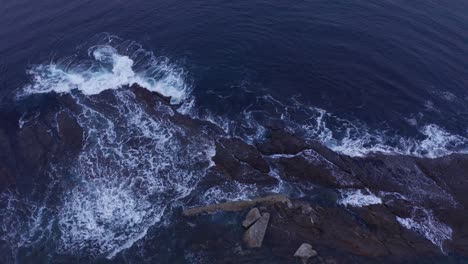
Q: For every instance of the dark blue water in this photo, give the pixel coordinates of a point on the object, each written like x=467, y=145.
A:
x=377, y=61
x=358, y=76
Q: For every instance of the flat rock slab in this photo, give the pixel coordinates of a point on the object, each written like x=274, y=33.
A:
x=236, y=206
x=253, y=237
x=252, y=216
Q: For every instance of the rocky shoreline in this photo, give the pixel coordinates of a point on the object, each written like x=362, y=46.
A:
x=375, y=209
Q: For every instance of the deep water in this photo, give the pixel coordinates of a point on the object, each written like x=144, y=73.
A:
x=389, y=64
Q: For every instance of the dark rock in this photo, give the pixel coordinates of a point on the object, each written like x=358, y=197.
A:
x=237, y=170
x=7, y=161
x=365, y=234
x=252, y=216
x=314, y=169
x=450, y=173
x=369, y=232
x=279, y=141
x=151, y=98
x=456, y=219
x=35, y=145
x=253, y=237
x=70, y=132
x=245, y=153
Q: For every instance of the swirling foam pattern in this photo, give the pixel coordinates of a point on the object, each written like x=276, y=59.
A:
x=132, y=166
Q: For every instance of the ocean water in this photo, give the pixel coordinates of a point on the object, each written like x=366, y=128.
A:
x=358, y=76
x=391, y=75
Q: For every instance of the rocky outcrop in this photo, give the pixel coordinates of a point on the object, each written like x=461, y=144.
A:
x=279, y=141
x=247, y=168
x=345, y=234
x=355, y=235
x=245, y=153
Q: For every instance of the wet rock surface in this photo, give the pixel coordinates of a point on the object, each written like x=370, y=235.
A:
x=418, y=198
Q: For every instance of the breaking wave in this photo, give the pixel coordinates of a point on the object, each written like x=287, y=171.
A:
x=134, y=165
x=436, y=142
x=348, y=137
x=110, y=64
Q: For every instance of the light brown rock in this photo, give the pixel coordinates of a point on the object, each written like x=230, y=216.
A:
x=237, y=205
x=305, y=252
x=253, y=237
x=252, y=216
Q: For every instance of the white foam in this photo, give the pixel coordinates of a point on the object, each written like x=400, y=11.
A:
x=132, y=167
x=425, y=223
x=357, y=198
x=108, y=68
x=230, y=191
x=437, y=142
x=237, y=191
x=351, y=138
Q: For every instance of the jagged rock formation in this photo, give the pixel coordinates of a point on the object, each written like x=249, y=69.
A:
x=352, y=210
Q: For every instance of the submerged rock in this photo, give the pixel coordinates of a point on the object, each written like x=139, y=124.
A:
x=253, y=237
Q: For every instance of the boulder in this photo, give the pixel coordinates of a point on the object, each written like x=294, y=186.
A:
x=253, y=237
x=305, y=252
x=252, y=216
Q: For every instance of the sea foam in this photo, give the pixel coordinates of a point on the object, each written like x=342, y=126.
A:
x=112, y=63
x=357, y=198
x=132, y=167
x=425, y=223
x=349, y=137
x=133, y=164
x=109, y=66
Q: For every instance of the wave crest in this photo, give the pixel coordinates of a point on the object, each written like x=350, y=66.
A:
x=109, y=65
